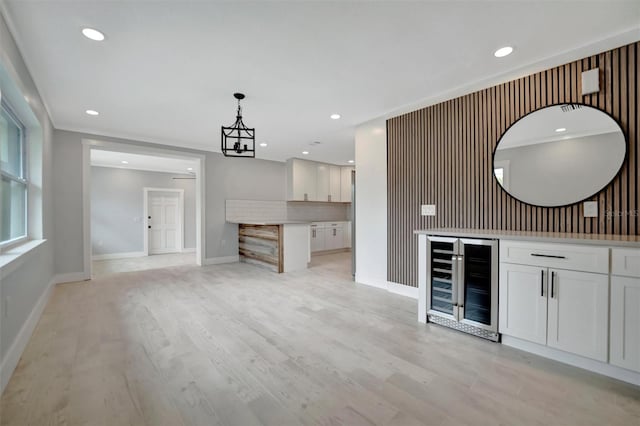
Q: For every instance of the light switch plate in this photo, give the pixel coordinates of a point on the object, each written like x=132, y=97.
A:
x=428, y=210
x=590, y=209
x=591, y=81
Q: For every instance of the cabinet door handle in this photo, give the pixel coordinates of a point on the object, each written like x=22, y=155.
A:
x=548, y=255
x=542, y=283
x=553, y=276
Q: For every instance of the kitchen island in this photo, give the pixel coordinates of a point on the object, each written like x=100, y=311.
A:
x=281, y=246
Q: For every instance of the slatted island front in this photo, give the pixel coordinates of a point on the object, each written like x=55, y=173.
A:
x=280, y=247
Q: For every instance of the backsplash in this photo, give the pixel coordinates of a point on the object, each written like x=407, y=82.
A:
x=239, y=210
x=249, y=210
x=318, y=212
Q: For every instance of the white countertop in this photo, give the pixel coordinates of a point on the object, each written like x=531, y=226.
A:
x=550, y=237
x=269, y=222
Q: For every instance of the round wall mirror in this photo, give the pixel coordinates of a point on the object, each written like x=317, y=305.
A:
x=559, y=155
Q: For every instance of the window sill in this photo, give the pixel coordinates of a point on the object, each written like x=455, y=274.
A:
x=11, y=259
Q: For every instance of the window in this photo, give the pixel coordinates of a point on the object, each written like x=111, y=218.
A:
x=14, y=184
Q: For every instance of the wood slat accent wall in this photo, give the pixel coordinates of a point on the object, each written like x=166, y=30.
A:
x=442, y=155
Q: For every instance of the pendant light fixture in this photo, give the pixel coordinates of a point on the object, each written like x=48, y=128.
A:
x=238, y=140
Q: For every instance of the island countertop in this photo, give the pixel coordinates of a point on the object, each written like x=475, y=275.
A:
x=269, y=222
x=632, y=241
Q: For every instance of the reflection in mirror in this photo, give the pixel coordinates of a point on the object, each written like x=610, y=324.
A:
x=559, y=155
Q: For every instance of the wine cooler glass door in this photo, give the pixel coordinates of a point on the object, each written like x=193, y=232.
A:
x=478, y=299
x=442, y=268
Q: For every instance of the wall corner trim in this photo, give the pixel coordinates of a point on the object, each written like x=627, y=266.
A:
x=13, y=355
x=221, y=260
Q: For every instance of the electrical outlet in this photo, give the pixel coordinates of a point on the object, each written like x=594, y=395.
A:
x=428, y=210
x=590, y=209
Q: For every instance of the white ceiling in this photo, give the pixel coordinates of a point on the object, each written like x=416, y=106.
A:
x=167, y=69
x=141, y=162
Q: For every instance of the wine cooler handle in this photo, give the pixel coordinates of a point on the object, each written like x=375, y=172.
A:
x=461, y=283
x=454, y=283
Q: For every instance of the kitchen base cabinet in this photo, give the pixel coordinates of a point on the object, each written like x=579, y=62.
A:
x=544, y=303
x=625, y=322
x=328, y=236
x=523, y=302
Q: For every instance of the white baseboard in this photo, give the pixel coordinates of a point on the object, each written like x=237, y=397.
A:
x=11, y=359
x=403, y=290
x=575, y=360
x=221, y=260
x=70, y=277
x=111, y=256
x=391, y=287
x=189, y=250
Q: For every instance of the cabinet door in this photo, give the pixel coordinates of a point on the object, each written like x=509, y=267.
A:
x=345, y=184
x=334, y=183
x=317, y=239
x=301, y=180
x=334, y=237
x=625, y=322
x=523, y=302
x=322, y=182
x=578, y=313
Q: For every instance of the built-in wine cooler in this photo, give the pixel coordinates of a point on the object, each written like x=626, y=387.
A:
x=462, y=285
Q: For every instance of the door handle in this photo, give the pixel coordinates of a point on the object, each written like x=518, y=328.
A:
x=541, y=282
x=553, y=276
x=548, y=255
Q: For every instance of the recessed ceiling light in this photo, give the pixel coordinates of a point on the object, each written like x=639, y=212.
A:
x=189, y=168
x=350, y=161
x=92, y=112
x=124, y=162
x=263, y=144
x=335, y=116
x=305, y=152
x=561, y=129
x=503, y=51
x=92, y=34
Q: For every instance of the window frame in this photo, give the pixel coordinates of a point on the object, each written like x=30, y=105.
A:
x=24, y=171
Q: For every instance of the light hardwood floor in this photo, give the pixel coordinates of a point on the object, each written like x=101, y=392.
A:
x=236, y=345
x=144, y=263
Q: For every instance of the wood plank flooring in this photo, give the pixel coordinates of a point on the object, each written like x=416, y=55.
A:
x=237, y=345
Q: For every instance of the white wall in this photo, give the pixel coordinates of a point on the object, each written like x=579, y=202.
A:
x=25, y=288
x=117, y=208
x=226, y=178
x=371, y=203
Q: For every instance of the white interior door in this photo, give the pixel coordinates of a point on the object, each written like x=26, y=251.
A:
x=164, y=222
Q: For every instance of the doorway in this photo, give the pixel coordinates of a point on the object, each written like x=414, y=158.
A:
x=123, y=185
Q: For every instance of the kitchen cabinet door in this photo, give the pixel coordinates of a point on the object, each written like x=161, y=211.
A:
x=334, y=183
x=301, y=180
x=578, y=313
x=317, y=238
x=345, y=184
x=334, y=237
x=523, y=302
x=625, y=322
x=322, y=182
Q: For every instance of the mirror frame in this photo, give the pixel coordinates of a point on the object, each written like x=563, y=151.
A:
x=616, y=176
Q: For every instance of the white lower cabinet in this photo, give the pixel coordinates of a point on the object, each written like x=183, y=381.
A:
x=523, y=302
x=625, y=322
x=578, y=312
x=562, y=309
x=329, y=236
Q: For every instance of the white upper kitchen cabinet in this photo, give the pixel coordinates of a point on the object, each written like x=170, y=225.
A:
x=335, y=177
x=322, y=182
x=345, y=184
x=301, y=180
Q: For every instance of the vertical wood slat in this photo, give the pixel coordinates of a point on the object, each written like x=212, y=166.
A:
x=443, y=155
